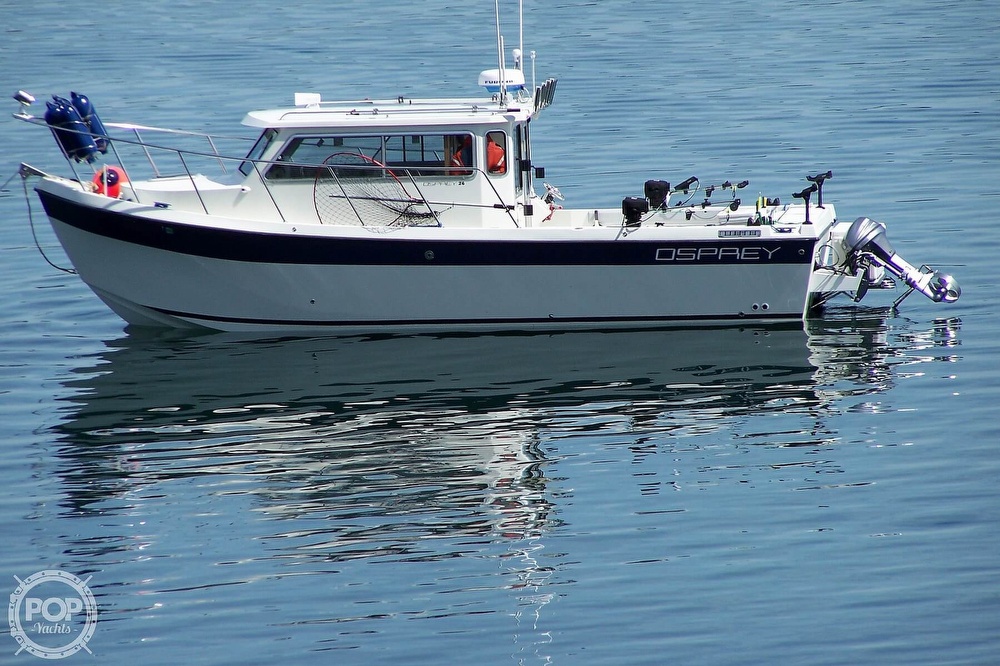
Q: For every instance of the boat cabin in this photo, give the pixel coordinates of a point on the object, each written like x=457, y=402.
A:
x=402, y=162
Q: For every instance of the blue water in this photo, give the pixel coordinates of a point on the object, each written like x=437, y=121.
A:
x=816, y=495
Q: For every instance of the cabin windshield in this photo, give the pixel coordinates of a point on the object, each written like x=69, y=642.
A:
x=439, y=155
x=258, y=150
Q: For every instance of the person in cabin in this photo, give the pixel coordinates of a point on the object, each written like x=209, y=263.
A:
x=462, y=157
x=496, y=157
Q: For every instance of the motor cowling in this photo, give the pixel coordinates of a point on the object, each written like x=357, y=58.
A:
x=866, y=236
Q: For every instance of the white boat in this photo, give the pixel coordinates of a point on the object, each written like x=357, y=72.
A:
x=429, y=215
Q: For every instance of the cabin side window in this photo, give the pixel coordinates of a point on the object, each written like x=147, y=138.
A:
x=496, y=153
x=423, y=155
x=413, y=155
x=460, y=153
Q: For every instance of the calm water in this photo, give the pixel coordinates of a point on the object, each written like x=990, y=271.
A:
x=759, y=496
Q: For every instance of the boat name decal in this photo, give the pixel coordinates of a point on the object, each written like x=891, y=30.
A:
x=711, y=252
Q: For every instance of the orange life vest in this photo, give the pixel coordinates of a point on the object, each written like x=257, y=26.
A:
x=495, y=157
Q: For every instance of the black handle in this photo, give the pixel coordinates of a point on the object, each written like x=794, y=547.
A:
x=685, y=184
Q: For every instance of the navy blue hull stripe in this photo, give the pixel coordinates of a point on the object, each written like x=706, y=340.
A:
x=388, y=251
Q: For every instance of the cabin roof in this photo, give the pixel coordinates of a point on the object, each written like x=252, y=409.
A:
x=401, y=112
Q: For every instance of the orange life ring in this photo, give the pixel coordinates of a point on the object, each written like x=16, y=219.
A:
x=115, y=177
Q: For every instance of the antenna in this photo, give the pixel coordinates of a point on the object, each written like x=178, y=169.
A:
x=520, y=20
x=503, y=88
x=533, y=86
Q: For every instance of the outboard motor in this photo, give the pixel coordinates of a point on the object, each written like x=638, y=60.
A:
x=867, y=240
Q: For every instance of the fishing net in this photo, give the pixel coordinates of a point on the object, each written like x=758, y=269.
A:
x=351, y=188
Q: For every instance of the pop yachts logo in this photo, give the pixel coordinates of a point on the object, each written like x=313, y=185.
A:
x=709, y=253
x=52, y=614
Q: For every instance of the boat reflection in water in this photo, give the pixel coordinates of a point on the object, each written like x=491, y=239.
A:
x=430, y=421
x=434, y=447
x=424, y=411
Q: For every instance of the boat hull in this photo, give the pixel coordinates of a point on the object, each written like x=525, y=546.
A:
x=154, y=267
